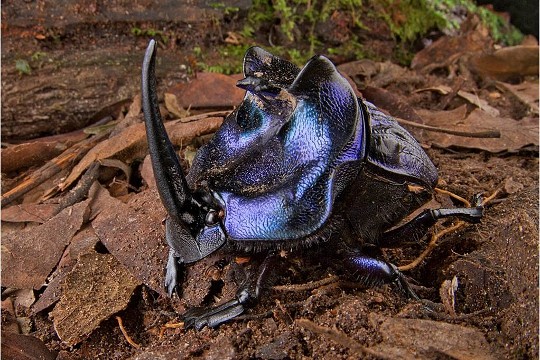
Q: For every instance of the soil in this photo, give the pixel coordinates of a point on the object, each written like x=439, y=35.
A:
x=491, y=314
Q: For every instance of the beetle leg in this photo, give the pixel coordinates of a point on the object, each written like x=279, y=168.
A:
x=247, y=295
x=375, y=272
x=418, y=227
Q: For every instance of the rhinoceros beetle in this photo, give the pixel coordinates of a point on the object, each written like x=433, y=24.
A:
x=300, y=161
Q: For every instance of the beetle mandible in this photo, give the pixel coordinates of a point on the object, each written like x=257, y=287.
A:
x=300, y=160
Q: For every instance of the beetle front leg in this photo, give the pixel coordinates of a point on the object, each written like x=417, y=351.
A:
x=247, y=295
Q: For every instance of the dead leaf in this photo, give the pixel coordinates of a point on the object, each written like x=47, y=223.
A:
x=134, y=234
x=448, y=49
x=97, y=287
x=480, y=103
x=427, y=339
x=526, y=93
x=472, y=98
x=171, y=103
x=364, y=69
x=24, y=347
x=30, y=255
x=514, y=134
x=82, y=243
x=507, y=63
x=31, y=212
x=447, y=292
x=147, y=173
x=209, y=90
x=133, y=116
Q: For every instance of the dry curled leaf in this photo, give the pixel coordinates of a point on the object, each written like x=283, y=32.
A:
x=514, y=134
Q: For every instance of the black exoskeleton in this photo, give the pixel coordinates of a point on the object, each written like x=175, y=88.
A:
x=300, y=159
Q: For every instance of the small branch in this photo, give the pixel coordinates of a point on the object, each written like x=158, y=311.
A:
x=81, y=190
x=307, y=286
x=455, y=196
x=63, y=161
x=433, y=243
x=128, y=338
x=488, y=134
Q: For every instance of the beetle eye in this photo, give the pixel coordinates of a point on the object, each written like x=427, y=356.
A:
x=212, y=217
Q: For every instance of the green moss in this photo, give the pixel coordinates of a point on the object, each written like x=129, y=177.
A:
x=289, y=26
x=411, y=19
x=23, y=67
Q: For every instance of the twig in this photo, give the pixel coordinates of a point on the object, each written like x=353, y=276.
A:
x=455, y=196
x=489, y=134
x=63, y=161
x=177, y=325
x=307, y=286
x=221, y=113
x=340, y=338
x=81, y=190
x=433, y=243
x=128, y=338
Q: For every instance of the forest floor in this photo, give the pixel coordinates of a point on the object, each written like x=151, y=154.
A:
x=83, y=247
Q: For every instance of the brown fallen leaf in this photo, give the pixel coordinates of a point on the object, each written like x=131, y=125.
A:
x=514, y=134
x=97, y=287
x=470, y=97
x=24, y=347
x=30, y=212
x=427, y=339
x=171, y=103
x=147, y=173
x=132, y=117
x=447, y=292
x=37, y=151
x=51, y=168
x=209, y=90
x=448, y=49
x=30, y=255
x=526, y=93
x=507, y=63
x=83, y=242
x=133, y=233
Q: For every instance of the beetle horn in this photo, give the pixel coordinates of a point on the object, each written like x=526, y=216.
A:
x=190, y=228
x=170, y=179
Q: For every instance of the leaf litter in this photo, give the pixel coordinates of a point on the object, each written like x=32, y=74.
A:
x=93, y=255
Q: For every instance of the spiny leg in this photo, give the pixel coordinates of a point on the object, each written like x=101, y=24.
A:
x=256, y=280
x=418, y=227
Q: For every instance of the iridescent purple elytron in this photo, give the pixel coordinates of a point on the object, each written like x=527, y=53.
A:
x=300, y=160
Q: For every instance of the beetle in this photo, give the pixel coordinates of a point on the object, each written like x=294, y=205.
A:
x=300, y=161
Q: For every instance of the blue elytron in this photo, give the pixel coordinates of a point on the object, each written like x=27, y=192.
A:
x=301, y=160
